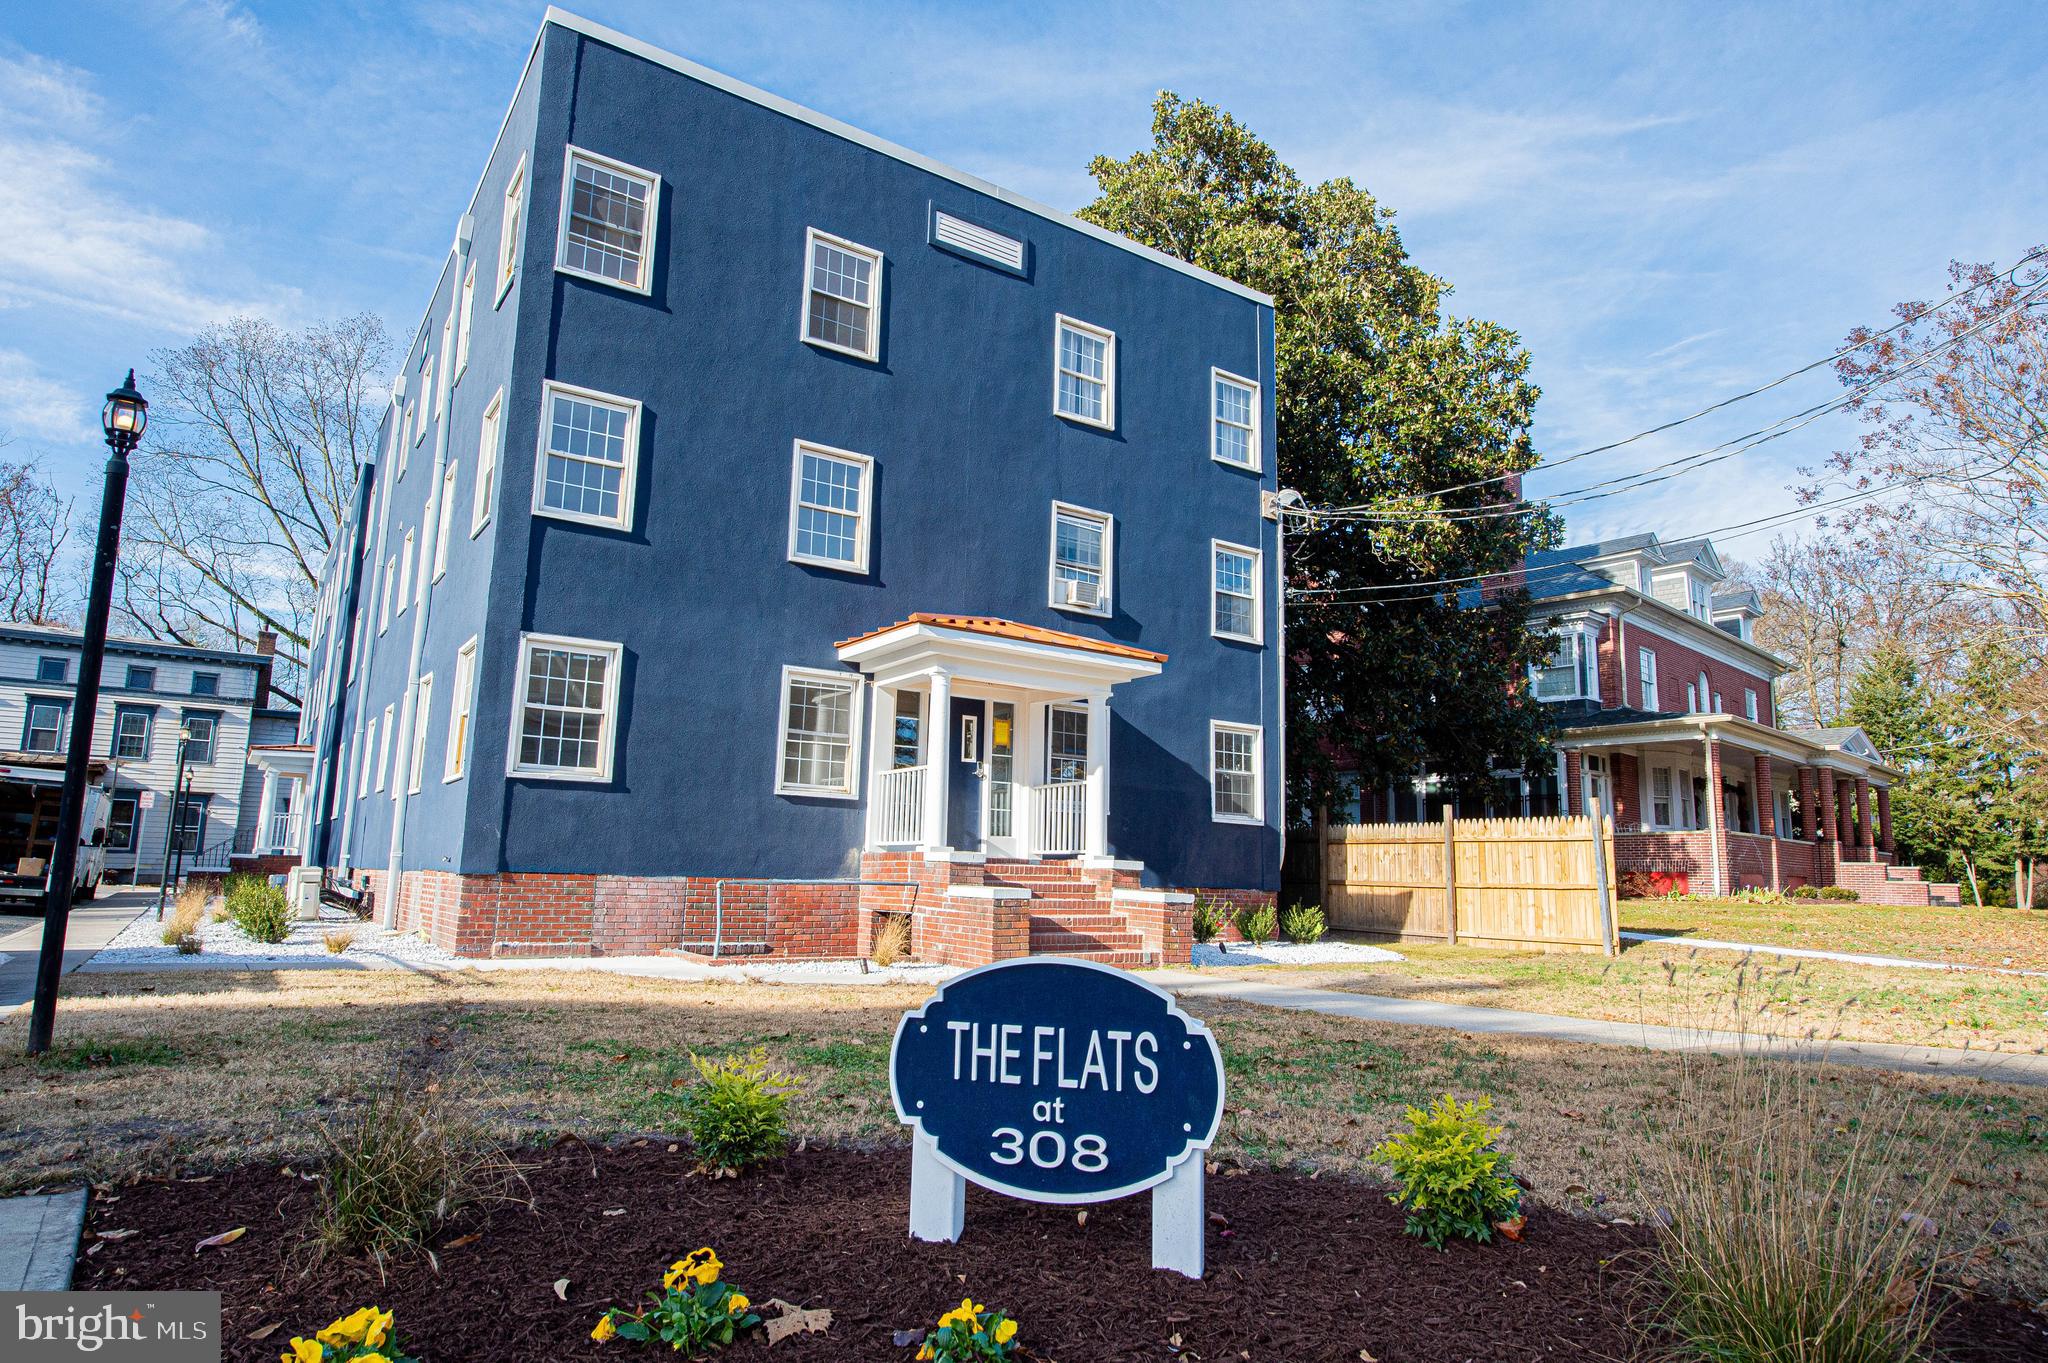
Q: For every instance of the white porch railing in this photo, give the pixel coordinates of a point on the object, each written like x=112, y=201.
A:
x=898, y=807
x=1059, y=817
x=284, y=832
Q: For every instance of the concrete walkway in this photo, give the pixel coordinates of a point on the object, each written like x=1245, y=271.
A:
x=1812, y=954
x=91, y=927
x=39, y=1240
x=2002, y=1066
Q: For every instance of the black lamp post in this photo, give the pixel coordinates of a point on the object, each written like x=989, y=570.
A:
x=123, y=418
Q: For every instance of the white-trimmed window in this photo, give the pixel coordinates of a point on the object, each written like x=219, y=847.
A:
x=1749, y=706
x=407, y=414
x=1083, y=550
x=1234, y=573
x=1233, y=420
x=1569, y=675
x=490, y=439
x=818, y=741
x=1066, y=743
x=44, y=729
x=428, y=394
x=1234, y=773
x=1692, y=698
x=461, y=705
x=1662, y=805
x=422, y=712
x=390, y=586
x=444, y=521
x=1646, y=674
x=510, y=227
x=405, y=556
x=564, y=723
x=1706, y=693
x=447, y=361
x=828, y=507
x=1702, y=597
x=365, y=746
x=608, y=217
x=1084, y=372
x=465, y=323
x=384, y=746
x=842, y=295
x=589, y=450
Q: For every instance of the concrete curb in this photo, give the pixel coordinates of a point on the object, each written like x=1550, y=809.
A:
x=39, y=1240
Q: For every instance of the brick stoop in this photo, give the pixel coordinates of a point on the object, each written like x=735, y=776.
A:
x=1876, y=883
x=1073, y=916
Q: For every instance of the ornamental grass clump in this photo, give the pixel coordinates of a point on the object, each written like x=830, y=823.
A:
x=735, y=1111
x=693, y=1311
x=970, y=1333
x=1797, y=1227
x=1450, y=1177
x=365, y=1336
x=184, y=919
x=1302, y=924
x=402, y=1164
x=892, y=939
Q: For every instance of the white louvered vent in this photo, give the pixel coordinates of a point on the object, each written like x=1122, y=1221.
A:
x=962, y=235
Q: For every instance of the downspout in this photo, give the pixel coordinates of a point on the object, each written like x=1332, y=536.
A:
x=1282, y=501
x=370, y=632
x=430, y=525
x=319, y=826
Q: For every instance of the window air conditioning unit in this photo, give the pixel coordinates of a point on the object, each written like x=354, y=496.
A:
x=1085, y=594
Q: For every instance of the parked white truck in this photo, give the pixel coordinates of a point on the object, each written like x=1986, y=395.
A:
x=30, y=793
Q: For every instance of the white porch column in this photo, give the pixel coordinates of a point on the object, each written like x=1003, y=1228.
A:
x=937, y=721
x=266, y=809
x=881, y=721
x=1095, y=839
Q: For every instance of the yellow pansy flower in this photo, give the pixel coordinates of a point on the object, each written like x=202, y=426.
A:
x=605, y=1329
x=376, y=1329
x=371, y=1358
x=1006, y=1332
x=350, y=1329
x=303, y=1351
x=736, y=1303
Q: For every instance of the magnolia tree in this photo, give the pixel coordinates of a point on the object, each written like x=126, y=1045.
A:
x=1383, y=399
x=257, y=436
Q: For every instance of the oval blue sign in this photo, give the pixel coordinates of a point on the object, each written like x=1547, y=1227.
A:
x=1057, y=1080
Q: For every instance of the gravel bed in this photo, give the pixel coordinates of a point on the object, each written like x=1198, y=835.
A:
x=1287, y=953
x=847, y=971
x=226, y=947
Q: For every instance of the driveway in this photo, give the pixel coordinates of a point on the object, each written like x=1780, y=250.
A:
x=92, y=926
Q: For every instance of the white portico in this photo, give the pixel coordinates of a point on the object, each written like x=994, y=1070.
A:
x=989, y=735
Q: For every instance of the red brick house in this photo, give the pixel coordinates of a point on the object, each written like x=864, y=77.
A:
x=1666, y=716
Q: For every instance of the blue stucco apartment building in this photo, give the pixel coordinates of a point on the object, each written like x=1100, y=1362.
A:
x=759, y=499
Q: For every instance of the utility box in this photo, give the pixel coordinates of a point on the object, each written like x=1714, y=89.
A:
x=302, y=887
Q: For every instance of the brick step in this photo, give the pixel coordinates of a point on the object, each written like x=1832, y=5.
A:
x=1076, y=901
x=1057, y=942
x=1079, y=922
x=1903, y=873
x=1942, y=892
x=1126, y=960
x=1058, y=894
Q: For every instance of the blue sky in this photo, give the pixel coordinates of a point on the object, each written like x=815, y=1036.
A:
x=1668, y=203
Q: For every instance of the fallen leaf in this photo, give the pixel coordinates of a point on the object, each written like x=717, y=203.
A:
x=117, y=1234
x=614, y=1211
x=903, y=1339
x=1918, y=1224
x=1365, y=1356
x=226, y=1237
x=463, y=1241
x=94, y=1248
x=795, y=1320
x=1570, y=1115
x=1081, y=1217
x=562, y=1288
x=266, y=1332
x=1512, y=1229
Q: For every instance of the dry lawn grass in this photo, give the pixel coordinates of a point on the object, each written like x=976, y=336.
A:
x=218, y=1068
x=2013, y=938
x=1681, y=987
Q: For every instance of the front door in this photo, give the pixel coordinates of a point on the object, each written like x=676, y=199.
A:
x=965, y=758
x=999, y=789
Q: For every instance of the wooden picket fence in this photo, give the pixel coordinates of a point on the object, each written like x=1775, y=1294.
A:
x=1538, y=884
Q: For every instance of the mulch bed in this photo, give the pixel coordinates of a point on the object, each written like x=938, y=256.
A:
x=1301, y=1270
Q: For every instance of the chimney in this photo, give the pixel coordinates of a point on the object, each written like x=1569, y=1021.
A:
x=266, y=649
x=266, y=642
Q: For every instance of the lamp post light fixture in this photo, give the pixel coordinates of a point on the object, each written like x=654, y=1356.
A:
x=122, y=419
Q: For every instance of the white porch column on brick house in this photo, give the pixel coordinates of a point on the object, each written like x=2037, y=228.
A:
x=938, y=722
x=1717, y=817
x=1095, y=838
x=266, y=809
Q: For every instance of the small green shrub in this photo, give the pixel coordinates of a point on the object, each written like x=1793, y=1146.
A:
x=1839, y=892
x=1448, y=1175
x=734, y=1113
x=263, y=912
x=1208, y=921
x=1803, y=892
x=693, y=1311
x=1257, y=922
x=1303, y=923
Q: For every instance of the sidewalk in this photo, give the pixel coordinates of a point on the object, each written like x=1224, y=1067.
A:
x=1814, y=954
x=92, y=926
x=39, y=1240
x=2006, y=1067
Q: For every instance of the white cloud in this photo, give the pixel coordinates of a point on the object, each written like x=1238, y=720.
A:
x=36, y=407
x=72, y=232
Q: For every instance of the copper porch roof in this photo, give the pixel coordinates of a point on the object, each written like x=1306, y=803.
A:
x=1011, y=629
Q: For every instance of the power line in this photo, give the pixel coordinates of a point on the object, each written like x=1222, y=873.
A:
x=1781, y=380
x=1683, y=464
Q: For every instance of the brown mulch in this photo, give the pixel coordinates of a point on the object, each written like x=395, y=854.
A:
x=1300, y=1270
